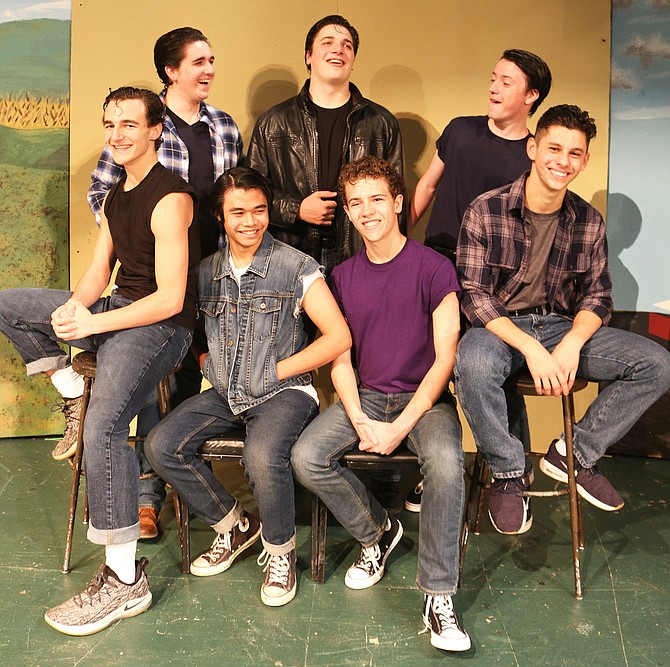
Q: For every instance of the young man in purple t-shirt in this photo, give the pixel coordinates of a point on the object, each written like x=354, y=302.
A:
x=400, y=299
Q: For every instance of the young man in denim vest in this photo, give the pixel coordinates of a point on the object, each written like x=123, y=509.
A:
x=253, y=294
x=400, y=299
x=532, y=259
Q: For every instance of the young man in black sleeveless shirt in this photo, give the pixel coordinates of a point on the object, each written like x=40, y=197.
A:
x=139, y=334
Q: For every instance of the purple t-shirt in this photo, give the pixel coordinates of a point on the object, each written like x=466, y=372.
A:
x=389, y=310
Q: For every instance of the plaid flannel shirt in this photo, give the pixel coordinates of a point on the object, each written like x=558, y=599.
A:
x=226, y=153
x=493, y=251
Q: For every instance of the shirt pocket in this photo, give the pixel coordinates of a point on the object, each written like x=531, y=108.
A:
x=213, y=310
x=264, y=314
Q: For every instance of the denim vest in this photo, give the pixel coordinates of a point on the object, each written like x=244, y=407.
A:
x=252, y=326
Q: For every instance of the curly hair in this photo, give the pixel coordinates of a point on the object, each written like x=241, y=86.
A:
x=372, y=168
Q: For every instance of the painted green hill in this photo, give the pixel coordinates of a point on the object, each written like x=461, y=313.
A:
x=35, y=57
x=39, y=149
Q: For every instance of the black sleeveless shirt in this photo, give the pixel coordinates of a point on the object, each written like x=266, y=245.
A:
x=129, y=217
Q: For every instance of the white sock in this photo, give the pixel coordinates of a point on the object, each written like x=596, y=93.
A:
x=120, y=558
x=68, y=382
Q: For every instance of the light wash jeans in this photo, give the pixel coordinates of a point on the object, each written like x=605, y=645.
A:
x=272, y=428
x=436, y=439
x=638, y=369
x=130, y=363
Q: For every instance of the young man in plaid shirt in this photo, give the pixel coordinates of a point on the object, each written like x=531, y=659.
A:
x=532, y=261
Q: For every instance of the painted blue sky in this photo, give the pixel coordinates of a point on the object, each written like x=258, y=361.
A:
x=21, y=10
x=639, y=197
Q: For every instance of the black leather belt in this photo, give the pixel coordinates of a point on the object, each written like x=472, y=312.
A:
x=533, y=310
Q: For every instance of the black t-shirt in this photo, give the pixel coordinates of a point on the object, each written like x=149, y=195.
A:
x=331, y=128
x=475, y=161
x=129, y=217
x=201, y=177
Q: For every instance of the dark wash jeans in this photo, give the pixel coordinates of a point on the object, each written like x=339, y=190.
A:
x=272, y=427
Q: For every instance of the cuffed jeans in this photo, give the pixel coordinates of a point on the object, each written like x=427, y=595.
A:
x=436, y=440
x=638, y=369
x=272, y=427
x=130, y=363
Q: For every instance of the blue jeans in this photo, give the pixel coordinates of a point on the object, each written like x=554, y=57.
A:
x=187, y=381
x=638, y=369
x=130, y=363
x=436, y=440
x=272, y=427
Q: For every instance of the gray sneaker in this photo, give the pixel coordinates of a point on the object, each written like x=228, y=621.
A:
x=280, y=581
x=105, y=600
x=71, y=408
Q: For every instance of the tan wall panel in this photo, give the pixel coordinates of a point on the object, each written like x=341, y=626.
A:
x=426, y=62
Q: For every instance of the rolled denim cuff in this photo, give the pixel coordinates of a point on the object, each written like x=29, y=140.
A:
x=115, y=536
x=279, y=549
x=230, y=520
x=46, y=364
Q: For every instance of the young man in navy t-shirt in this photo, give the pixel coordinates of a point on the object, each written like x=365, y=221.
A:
x=401, y=302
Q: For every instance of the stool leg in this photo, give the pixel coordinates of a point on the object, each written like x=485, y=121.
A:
x=319, y=525
x=163, y=391
x=576, y=527
x=482, y=483
x=467, y=513
x=183, y=528
x=76, y=477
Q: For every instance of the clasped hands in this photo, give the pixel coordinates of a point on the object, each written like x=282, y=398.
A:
x=376, y=436
x=72, y=320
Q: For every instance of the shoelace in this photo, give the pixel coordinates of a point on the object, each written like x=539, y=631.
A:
x=369, y=558
x=92, y=590
x=444, y=610
x=279, y=567
x=419, y=488
x=221, y=544
x=61, y=405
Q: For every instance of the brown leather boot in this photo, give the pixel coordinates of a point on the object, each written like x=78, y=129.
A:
x=148, y=523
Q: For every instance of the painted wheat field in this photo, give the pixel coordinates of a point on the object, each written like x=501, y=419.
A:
x=34, y=140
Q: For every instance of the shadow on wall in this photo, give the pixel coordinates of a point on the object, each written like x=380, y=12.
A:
x=268, y=87
x=624, y=222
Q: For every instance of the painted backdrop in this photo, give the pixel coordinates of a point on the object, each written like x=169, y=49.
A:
x=34, y=138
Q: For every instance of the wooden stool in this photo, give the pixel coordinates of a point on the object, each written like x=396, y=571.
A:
x=85, y=364
x=525, y=385
x=225, y=448
x=355, y=460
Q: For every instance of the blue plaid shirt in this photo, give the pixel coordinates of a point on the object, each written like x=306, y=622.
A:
x=227, y=152
x=493, y=250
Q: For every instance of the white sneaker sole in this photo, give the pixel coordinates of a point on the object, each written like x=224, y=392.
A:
x=211, y=570
x=361, y=584
x=128, y=610
x=412, y=507
x=279, y=600
x=450, y=644
x=559, y=475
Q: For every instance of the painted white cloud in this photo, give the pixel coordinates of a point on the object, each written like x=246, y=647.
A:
x=647, y=49
x=58, y=9
x=623, y=79
x=660, y=4
x=643, y=113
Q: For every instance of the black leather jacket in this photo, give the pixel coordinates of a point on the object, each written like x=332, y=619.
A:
x=284, y=148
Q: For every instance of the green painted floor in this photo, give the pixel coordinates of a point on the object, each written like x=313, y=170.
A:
x=516, y=600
